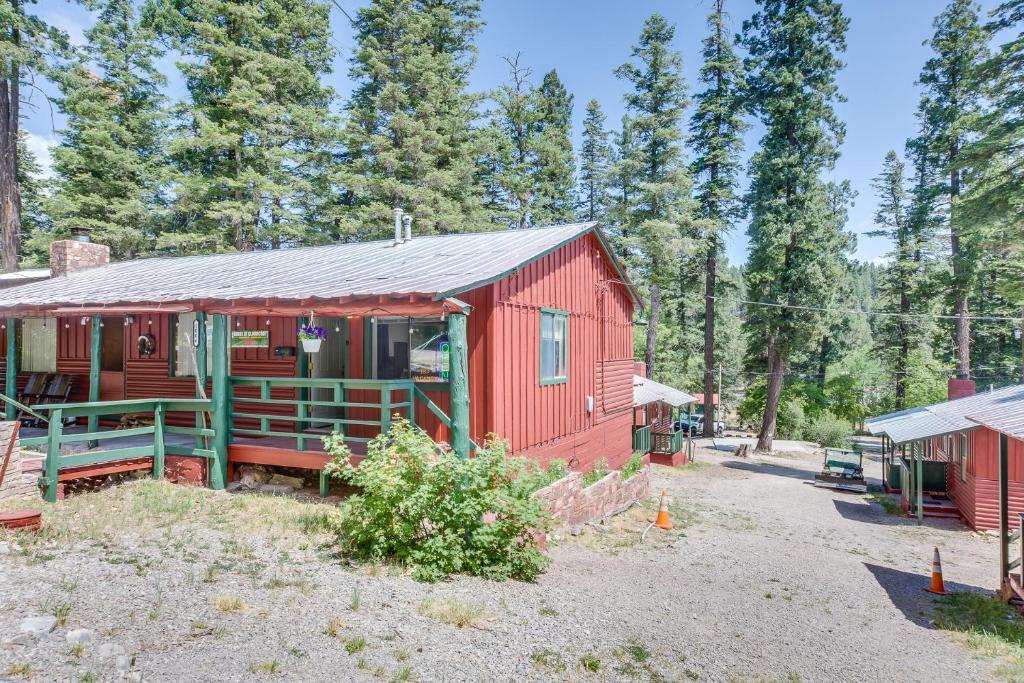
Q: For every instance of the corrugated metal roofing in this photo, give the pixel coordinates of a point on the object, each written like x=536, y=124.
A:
x=427, y=265
x=1006, y=417
x=648, y=391
x=28, y=274
x=947, y=417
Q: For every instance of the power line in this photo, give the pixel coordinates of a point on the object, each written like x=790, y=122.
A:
x=857, y=311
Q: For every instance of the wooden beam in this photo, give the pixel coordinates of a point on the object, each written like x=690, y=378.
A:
x=95, y=351
x=11, y=383
x=459, y=377
x=221, y=403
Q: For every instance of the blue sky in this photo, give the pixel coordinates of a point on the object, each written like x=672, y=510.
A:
x=586, y=39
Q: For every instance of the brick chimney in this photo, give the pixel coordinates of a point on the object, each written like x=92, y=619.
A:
x=68, y=256
x=959, y=388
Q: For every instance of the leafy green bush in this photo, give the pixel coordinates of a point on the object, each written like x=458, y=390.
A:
x=534, y=477
x=829, y=430
x=596, y=474
x=791, y=420
x=632, y=466
x=427, y=508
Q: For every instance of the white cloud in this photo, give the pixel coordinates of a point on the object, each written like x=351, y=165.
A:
x=41, y=147
x=882, y=260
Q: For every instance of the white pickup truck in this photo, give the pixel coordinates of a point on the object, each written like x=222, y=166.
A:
x=696, y=423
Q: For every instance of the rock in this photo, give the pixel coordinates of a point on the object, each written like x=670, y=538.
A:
x=254, y=475
x=81, y=636
x=5, y=548
x=134, y=676
x=284, y=479
x=236, y=486
x=107, y=650
x=123, y=663
x=576, y=530
x=20, y=639
x=276, y=489
x=37, y=626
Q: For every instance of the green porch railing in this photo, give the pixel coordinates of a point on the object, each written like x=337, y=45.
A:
x=21, y=407
x=668, y=443
x=157, y=449
x=300, y=414
x=642, y=438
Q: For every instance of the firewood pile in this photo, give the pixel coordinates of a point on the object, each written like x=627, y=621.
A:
x=133, y=420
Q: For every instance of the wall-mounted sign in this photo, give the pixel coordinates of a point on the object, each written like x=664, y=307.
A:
x=196, y=331
x=444, y=349
x=250, y=339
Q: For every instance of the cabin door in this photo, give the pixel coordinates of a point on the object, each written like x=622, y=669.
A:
x=329, y=363
x=112, y=360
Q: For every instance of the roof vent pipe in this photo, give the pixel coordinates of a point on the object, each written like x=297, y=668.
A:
x=398, y=226
x=407, y=220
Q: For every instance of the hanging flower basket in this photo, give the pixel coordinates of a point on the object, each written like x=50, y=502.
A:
x=312, y=336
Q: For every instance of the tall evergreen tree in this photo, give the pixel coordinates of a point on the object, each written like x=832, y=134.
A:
x=513, y=128
x=257, y=114
x=409, y=138
x=27, y=46
x=717, y=139
x=110, y=164
x=555, y=166
x=595, y=158
x=796, y=239
x=949, y=108
x=659, y=208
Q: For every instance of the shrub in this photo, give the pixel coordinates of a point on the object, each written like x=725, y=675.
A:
x=423, y=506
x=596, y=474
x=632, y=466
x=829, y=430
x=534, y=477
x=791, y=419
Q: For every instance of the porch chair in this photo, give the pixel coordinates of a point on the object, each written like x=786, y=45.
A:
x=35, y=388
x=58, y=390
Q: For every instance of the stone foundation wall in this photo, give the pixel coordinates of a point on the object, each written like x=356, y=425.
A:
x=20, y=480
x=571, y=504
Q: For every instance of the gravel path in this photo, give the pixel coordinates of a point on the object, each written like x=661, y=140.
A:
x=771, y=579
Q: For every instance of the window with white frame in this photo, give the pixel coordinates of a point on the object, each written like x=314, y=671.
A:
x=38, y=344
x=554, y=335
x=185, y=348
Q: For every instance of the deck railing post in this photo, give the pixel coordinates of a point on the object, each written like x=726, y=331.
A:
x=459, y=375
x=95, y=351
x=221, y=403
x=385, y=408
x=159, y=447
x=11, y=380
x=52, y=469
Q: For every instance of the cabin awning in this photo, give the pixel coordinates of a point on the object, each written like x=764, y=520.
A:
x=947, y=417
x=1005, y=418
x=648, y=391
x=381, y=275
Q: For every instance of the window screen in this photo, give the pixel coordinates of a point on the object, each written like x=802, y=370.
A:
x=554, y=328
x=184, y=348
x=38, y=344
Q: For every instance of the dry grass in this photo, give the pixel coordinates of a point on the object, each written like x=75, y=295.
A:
x=229, y=603
x=148, y=508
x=624, y=530
x=454, y=612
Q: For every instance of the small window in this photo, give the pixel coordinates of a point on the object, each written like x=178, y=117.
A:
x=184, y=346
x=38, y=344
x=964, y=452
x=554, y=331
x=415, y=348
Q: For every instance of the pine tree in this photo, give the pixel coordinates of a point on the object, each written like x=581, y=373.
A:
x=595, y=159
x=28, y=46
x=717, y=139
x=409, y=138
x=555, y=166
x=257, y=118
x=513, y=130
x=796, y=236
x=36, y=227
x=895, y=339
x=659, y=208
x=110, y=163
x=950, y=105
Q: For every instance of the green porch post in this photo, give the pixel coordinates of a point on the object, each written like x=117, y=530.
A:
x=920, y=482
x=11, y=385
x=95, y=350
x=200, y=371
x=302, y=371
x=221, y=403
x=459, y=375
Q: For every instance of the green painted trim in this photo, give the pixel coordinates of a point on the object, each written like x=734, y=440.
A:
x=201, y=376
x=459, y=380
x=159, y=445
x=301, y=371
x=605, y=246
x=551, y=381
x=221, y=403
x=95, y=353
x=11, y=369
x=52, y=464
x=11, y=403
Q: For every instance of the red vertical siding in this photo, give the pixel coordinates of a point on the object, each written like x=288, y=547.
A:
x=978, y=497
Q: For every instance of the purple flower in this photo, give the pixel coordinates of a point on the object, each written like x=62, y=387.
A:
x=312, y=332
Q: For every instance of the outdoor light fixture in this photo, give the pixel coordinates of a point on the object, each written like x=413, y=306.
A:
x=84, y=319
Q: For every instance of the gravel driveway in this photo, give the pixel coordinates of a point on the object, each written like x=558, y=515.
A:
x=767, y=578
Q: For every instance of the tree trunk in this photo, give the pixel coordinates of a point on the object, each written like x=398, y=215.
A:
x=826, y=347
x=10, y=195
x=776, y=367
x=709, y=338
x=962, y=330
x=652, y=329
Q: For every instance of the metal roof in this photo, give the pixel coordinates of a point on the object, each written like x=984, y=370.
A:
x=27, y=275
x=947, y=417
x=1005, y=416
x=436, y=265
x=648, y=391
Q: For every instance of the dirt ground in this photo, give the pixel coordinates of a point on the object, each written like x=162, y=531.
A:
x=765, y=578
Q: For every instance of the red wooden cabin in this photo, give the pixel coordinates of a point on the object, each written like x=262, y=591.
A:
x=525, y=335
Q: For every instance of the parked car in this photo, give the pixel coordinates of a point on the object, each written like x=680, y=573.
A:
x=696, y=425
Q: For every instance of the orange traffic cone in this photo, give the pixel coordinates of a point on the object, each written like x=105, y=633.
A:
x=937, y=586
x=662, y=521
